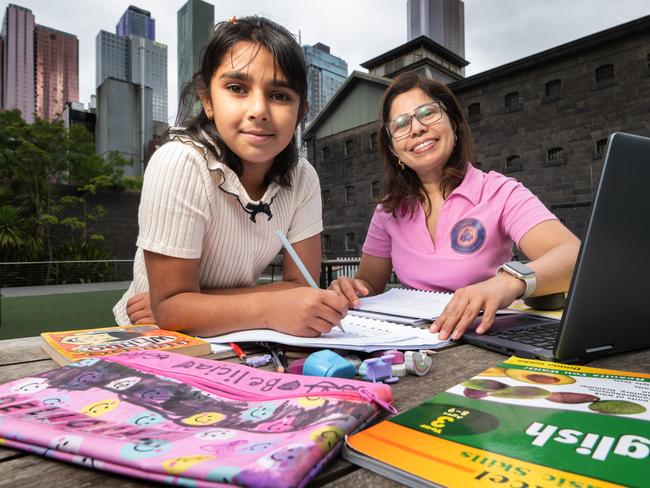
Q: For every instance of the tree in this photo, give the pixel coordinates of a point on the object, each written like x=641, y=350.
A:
x=36, y=159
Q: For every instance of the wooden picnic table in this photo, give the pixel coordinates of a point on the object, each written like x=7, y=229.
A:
x=24, y=357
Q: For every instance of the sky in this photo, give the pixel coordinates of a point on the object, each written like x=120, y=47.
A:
x=496, y=31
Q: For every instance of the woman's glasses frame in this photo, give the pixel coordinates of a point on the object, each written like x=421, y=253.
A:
x=420, y=114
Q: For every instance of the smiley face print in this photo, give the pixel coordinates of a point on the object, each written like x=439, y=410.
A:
x=101, y=407
x=204, y=418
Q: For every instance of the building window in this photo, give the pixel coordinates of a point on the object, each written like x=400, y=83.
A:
x=373, y=140
x=604, y=73
x=513, y=164
x=512, y=101
x=552, y=89
x=350, y=245
x=375, y=190
x=327, y=242
x=327, y=199
x=347, y=147
x=555, y=156
x=474, y=112
x=325, y=152
x=349, y=194
x=601, y=144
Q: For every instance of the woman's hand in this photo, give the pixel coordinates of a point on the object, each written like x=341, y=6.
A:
x=138, y=308
x=489, y=296
x=351, y=289
x=306, y=312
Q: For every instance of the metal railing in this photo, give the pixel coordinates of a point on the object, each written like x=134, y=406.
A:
x=37, y=273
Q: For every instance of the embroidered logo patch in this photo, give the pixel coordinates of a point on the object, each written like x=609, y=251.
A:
x=467, y=236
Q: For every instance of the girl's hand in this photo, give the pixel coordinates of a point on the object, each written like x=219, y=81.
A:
x=489, y=296
x=350, y=288
x=138, y=308
x=306, y=312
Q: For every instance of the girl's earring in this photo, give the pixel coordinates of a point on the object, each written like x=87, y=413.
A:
x=400, y=164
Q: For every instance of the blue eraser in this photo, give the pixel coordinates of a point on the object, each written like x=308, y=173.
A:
x=328, y=363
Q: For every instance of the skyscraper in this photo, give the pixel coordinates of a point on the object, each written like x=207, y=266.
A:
x=18, y=61
x=57, y=71
x=120, y=57
x=441, y=20
x=137, y=22
x=325, y=74
x=195, y=21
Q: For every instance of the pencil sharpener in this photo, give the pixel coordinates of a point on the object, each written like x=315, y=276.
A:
x=328, y=363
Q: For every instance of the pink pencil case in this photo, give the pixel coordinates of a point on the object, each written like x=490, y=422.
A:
x=182, y=420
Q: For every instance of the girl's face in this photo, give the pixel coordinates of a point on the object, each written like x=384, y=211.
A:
x=254, y=109
x=425, y=149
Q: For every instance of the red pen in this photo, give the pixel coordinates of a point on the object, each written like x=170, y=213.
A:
x=238, y=350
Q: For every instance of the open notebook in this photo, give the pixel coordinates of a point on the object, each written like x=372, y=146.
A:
x=404, y=305
x=361, y=334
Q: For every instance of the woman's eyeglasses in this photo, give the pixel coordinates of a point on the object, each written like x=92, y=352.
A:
x=427, y=114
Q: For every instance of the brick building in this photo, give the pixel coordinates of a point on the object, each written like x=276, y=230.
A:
x=543, y=119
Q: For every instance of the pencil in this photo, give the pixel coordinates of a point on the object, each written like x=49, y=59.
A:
x=238, y=350
x=276, y=360
x=296, y=259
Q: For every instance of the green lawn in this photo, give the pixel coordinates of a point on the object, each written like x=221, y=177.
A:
x=29, y=316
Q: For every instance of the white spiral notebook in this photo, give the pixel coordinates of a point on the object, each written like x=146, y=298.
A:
x=406, y=302
x=361, y=334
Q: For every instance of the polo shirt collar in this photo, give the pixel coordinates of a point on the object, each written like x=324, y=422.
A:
x=472, y=185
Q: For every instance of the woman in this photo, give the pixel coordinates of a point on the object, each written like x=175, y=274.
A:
x=444, y=225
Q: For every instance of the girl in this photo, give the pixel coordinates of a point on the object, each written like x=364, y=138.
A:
x=215, y=194
x=445, y=225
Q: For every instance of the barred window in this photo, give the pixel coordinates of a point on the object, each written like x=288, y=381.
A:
x=600, y=147
x=513, y=163
x=553, y=89
x=327, y=242
x=349, y=194
x=347, y=147
x=604, y=73
x=512, y=100
x=327, y=199
x=350, y=243
x=325, y=152
x=375, y=189
x=554, y=154
x=474, y=111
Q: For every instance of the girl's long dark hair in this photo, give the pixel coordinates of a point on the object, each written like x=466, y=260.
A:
x=288, y=59
x=402, y=186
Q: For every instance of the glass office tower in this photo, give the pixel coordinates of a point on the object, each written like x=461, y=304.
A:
x=440, y=20
x=195, y=21
x=137, y=22
x=325, y=74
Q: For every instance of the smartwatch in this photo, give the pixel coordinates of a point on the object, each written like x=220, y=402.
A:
x=522, y=272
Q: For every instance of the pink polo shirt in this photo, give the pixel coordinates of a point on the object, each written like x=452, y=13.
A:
x=477, y=225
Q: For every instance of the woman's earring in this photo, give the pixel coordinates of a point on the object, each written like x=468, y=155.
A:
x=400, y=164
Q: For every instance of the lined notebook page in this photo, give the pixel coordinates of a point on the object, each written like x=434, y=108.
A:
x=406, y=302
x=361, y=334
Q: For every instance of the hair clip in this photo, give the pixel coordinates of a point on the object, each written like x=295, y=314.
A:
x=233, y=20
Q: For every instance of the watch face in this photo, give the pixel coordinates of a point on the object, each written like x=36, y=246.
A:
x=520, y=268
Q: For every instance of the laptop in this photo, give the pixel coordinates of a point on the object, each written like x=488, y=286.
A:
x=608, y=305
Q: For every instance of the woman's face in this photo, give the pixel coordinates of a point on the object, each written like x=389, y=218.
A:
x=254, y=109
x=425, y=149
